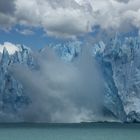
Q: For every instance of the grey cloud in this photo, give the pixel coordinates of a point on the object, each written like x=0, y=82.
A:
x=7, y=6
x=7, y=9
x=6, y=21
x=125, y=1
x=71, y=18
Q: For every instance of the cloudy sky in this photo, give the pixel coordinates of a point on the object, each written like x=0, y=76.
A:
x=38, y=22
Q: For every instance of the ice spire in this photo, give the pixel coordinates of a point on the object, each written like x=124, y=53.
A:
x=5, y=57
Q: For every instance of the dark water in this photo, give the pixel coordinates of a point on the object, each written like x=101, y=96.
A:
x=88, y=131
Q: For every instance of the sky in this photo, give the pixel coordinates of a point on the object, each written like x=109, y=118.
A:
x=37, y=23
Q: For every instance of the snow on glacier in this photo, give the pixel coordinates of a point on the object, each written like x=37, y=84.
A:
x=11, y=48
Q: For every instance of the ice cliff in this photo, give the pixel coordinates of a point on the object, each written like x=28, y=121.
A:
x=13, y=97
x=120, y=64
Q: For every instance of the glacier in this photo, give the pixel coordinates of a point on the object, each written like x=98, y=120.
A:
x=120, y=64
x=117, y=58
x=13, y=97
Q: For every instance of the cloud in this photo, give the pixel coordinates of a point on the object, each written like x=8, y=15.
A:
x=125, y=1
x=11, y=48
x=6, y=22
x=7, y=7
x=62, y=19
x=25, y=32
x=71, y=18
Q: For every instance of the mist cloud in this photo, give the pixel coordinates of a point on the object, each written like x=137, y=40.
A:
x=62, y=91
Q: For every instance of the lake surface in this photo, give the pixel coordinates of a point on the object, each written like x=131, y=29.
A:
x=84, y=131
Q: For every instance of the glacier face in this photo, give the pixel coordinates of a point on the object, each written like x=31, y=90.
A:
x=119, y=63
x=121, y=67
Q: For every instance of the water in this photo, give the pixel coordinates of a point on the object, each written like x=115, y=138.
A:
x=94, y=131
